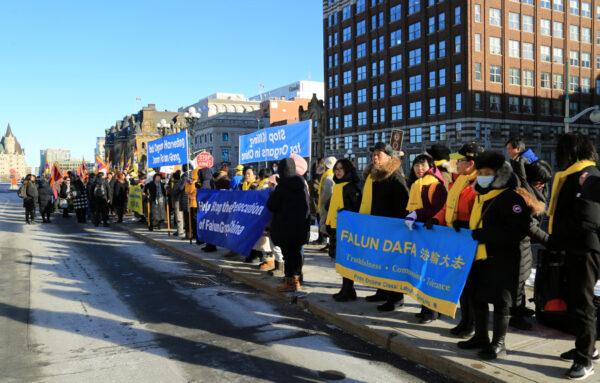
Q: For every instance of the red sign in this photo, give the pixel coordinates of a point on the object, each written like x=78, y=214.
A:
x=204, y=160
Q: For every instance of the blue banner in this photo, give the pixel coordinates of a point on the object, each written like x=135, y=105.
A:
x=168, y=150
x=234, y=220
x=430, y=265
x=273, y=144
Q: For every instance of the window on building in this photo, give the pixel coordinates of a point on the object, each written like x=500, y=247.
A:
x=458, y=73
x=558, y=29
x=557, y=55
x=495, y=73
x=396, y=63
x=225, y=154
x=513, y=104
x=415, y=109
x=347, y=120
x=545, y=80
x=395, y=38
x=514, y=21
x=396, y=87
x=225, y=137
x=414, y=31
x=414, y=6
x=432, y=106
x=361, y=96
x=545, y=28
x=362, y=118
x=416, y=135
x=441, y=49
x=457, y=44
x=361, y=73
x=442, y=77
x=495, y=103
x=527, y=23
x=477, y=13
x=348, y=99
x=477, y=42
x=432, y=79
x=495, y=45
x=414, y=57
x=441, y=21
x=514, y=49
x=557, y=81
x=433, y=133
x=527, y=51
x=528, y=78
x=478, y=75
x=362, y=141
x=414, y=83
x=442, y=105
x=514, y=76
x=395, y=13
x=397, y=112
x=477, y=101
x=495, y=17
x=457, y=15
x=545, y=53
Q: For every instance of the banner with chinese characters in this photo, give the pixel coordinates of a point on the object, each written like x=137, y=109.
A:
x=430, y=265
x=134, y=200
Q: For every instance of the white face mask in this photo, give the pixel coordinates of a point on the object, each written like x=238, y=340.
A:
x=485, y=181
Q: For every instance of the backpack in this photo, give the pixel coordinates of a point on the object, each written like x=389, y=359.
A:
x=99, y=191
x=22, y=193
x=550, y=291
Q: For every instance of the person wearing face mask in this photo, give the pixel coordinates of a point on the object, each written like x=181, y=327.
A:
x=385, y=194
x=499, y=222
x=346, y=195
x=426, y=198
x=456, y=214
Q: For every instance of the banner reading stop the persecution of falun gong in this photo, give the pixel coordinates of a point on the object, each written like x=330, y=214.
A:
x=430, y=265
x=232, y=219
x=134, y=201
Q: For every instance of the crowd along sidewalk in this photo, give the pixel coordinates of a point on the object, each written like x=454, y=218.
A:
x=532, y=355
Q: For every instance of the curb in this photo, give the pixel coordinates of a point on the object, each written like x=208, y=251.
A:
x=393, y=342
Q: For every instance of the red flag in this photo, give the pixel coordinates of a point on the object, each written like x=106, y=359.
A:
x=55, y=174
x=101, y=165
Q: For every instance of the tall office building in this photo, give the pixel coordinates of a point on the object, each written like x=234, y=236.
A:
x=456, y=71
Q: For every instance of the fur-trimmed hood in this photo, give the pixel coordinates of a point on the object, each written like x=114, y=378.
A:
x=537, y=207
x=383, y=172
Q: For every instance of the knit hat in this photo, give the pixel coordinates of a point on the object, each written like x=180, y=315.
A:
x=489, y=159
x=301, y=164
x=330, y=162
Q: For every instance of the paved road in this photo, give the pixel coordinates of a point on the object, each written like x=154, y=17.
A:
x=85, y=304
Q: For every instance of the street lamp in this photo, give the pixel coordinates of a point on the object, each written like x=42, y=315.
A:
x=191, y=117
x=162, y=126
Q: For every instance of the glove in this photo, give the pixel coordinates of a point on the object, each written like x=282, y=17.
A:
x=477, y=235
x=456, y=226
x=410, y=219
x=430, y=222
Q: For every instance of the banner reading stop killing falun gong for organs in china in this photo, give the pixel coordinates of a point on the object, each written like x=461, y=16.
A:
x=430, y=265
x=273, y=144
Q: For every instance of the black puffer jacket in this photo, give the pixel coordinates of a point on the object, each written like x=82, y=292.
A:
x=31, y=191
x=506, y=220
x=351, y=193
x=289, y=203
x=121, y=190
x=390, y=193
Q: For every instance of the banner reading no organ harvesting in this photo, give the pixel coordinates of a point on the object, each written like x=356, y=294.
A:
x=273, y=144
x=168, y=150
x=430, y=265
x=234, y=220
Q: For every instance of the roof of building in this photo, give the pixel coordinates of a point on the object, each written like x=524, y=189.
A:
x=8, y=134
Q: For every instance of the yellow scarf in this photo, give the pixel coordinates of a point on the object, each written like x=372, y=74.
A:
x=459, y=185
x=336, y=203
x=476, y=221
x=246, y=185
x=415, y=201
x=367, y=197
x=439, y=163
x=262, y=183
x=559, y=180
x=328, y=173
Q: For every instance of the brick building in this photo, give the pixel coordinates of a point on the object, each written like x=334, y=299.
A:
x=455, y=71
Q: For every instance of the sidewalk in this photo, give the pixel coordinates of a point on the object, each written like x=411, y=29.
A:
x=533, y=355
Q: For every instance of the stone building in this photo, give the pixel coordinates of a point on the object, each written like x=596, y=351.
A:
x=12, y=156
x=125, y=141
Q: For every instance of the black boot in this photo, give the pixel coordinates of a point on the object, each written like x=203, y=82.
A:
x=427, y=315
x=379, y=296
x=497, y=347
x=347, y=293
x=466, y=327
x=481, y=338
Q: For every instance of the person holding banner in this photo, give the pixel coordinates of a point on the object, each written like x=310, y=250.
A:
x=346, y=195
x=384, y=194
x=426, y=198
x=500, y=222
x=290, y=225
x=456, y=214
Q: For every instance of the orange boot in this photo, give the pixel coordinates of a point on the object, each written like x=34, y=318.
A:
x=296, y=283
x=268, y=264
x=287, y=286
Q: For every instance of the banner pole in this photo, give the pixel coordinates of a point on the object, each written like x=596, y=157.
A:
x=148, y=216
x=190, y=222
x=168, y=219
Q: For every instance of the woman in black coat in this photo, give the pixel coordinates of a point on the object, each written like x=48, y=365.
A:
x=290, y=226
x=119, y=195
x=574, y=227
x=30, y=198
x=500, y=221
x=45, y=199
x=346, y=195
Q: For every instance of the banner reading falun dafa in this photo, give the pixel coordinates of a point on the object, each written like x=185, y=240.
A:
x=430, y=265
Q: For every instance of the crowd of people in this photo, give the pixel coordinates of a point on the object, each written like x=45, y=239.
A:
x=510, y=201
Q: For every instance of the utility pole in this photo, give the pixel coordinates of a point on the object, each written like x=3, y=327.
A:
x=567, y=101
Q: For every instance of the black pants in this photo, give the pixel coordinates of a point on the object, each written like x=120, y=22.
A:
x=292, y=260
x=120, y=211
x=29, y=214
x=80, y=213
x=66, y=212
x=466, y=298
x=194, y=211
x=100, y=211
x=332, y=242
x=583, y=271
x=45, y=211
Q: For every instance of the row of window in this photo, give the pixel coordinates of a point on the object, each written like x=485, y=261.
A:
x=525, y=22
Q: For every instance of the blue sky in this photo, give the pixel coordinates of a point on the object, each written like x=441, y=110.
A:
x=70, y=69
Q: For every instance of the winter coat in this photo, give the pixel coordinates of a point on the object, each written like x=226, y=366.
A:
x=205, y=179
x=390, y=193
x=351, y=198
x=99, y=183
x=591, y=189
x=119, y=195
x=151, y=191
x=31, y=199
x=463, y=207
x=434, y=198
x=576, y=219
x=506, y=220
x=289, y=203
x=65, y=190
x=45, y=194
x=222, y=181
x=236, y=181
